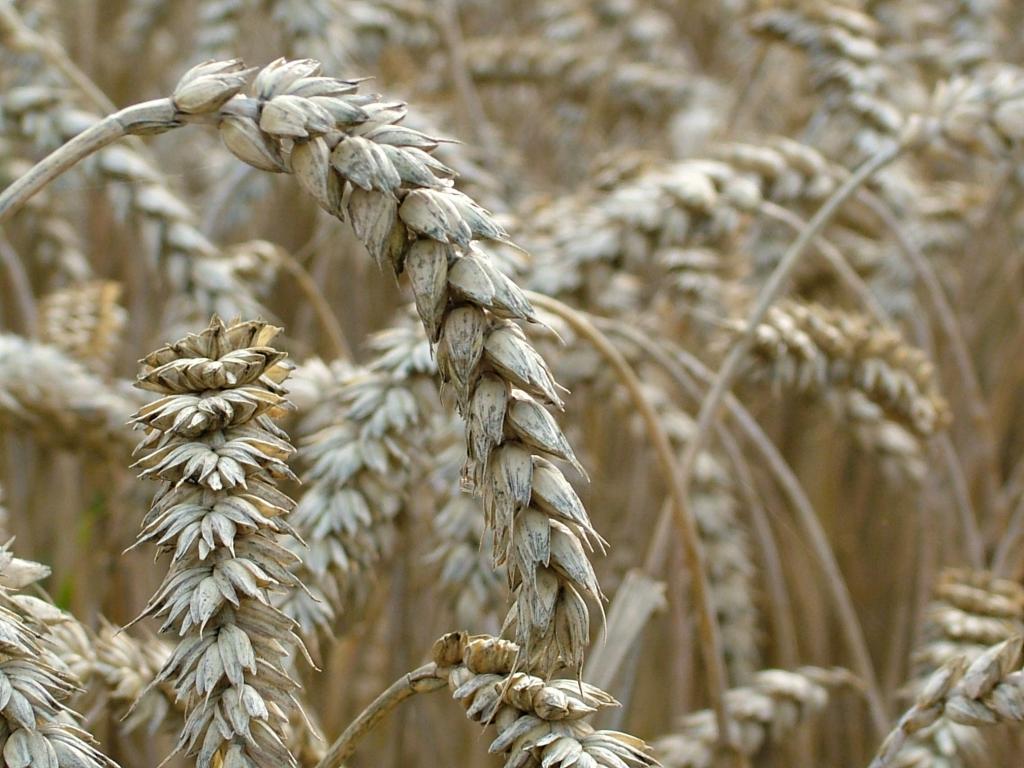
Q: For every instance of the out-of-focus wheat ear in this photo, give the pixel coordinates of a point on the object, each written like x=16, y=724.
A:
x=37, y=728
x=847, y=63
x=810, y=347
x=57, y=242
x=85, y=321
x=212, y=442
x=768, y=712
x=360, y=470
x=127, y=664
x=537, y=721
x=970, y=613
x=218, y=29
x=59, y=401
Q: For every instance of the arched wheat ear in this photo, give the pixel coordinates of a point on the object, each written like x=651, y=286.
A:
x=351, y=154
x=212, y=441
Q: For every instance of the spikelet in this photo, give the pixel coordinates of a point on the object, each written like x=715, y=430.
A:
x=212, y=441
x=766, y=712
x=85, y=321
x=538, y=722
x=810, y=347
x=36, y=728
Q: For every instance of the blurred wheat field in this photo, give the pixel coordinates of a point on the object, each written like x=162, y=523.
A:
x=641, y=376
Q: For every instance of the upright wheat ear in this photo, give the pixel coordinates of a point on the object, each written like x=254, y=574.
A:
x=211, y=439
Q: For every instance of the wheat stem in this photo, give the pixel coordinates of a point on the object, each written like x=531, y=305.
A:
x=710, y=636
x=772, y=289
x=20, y=285
x=421, y=680
x=139, y=118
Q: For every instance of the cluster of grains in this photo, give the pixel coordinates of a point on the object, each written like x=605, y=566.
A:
x=350, y=152
x=362, y=465
x=972, y=611
x=58, y=400
x=212, y=442
x=985, y=691
x=768, y=711
x=538, y=722
x=85, y=322
x=811, y=347
x=36, y=728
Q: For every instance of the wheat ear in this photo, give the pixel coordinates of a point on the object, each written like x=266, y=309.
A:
x=212, y=441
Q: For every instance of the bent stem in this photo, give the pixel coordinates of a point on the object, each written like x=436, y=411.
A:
x=709, y=633
x=148, y=117
x=678, y=364
x=951, y=329
x=772, y=289
x=421, y=680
